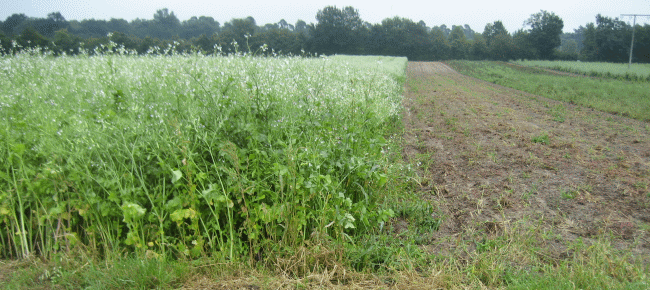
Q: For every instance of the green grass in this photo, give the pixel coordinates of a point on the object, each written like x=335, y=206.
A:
x=621, y=71
x=609, y=95
x=129, y=272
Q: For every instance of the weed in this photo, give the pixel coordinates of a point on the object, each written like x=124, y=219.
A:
x=526, y=195
x=569, y=194
x=542, y=139
x=446, y=137
x=477, y=147
x=451, y=121
x=493, y=156
x=559, y=113
x=420, y=213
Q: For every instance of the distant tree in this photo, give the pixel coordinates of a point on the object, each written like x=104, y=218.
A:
x=613, y=37
x=469, y=33
x=119, y=25
x=608, y=40
x=420, y=41
x=479, y=48
x=303, y=34
x=5, y=44
x=459, y=45
x=205, y=43
x=301, y=26
x=146, y=44
x=399, y=37
x=579, y=36
x=91, y=28
x=56, y=17
x=180, y=45
x=31, y=38
x=502, y=47
x=444, y=29
x=141, y=27
x=47, y=26
x=590, y=47
x=281, y=40
x=569, y=51
x=524, y=49
x=12, y=22
x=642, y=44
x=545, y=30
x=166, y=24
x=56, y=21
x=338, y=30
x=90, y=44
x=491, y=30
x=576, y=37
x=195, y=27
x=239, y=30
x=283, y=24
x=270, y=26
x=121, y=39
x=66, y=43
x=440, y=49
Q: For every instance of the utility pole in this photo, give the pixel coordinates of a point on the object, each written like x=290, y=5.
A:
x=633, y=29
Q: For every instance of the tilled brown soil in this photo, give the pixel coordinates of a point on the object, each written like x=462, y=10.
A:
x=485, y=162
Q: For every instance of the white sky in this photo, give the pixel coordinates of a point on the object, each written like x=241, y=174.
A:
x=434, y=13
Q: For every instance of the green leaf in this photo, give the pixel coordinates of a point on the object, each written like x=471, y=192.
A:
x=349, y=221
x=176, y=175
x=19, y=149
x=4, y=176
x=208, y=191
x=180, y=214
x=382, y=180
x=177, y=215
x=132, y=210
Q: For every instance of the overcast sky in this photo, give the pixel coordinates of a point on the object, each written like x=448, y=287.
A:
x=434, y=13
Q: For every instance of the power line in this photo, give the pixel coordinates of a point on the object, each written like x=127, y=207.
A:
x=633, y=29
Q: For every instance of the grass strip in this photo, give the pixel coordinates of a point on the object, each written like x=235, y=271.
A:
x=626, y=98
x=636, y=72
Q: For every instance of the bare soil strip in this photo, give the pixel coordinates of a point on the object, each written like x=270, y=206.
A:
x=491, y=156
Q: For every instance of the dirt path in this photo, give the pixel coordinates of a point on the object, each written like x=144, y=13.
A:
x=491, y=157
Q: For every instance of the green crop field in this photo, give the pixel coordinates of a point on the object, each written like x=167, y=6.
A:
x=600, y=69
x=188, y=154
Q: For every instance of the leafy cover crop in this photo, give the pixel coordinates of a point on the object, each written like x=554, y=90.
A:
x=185, y=155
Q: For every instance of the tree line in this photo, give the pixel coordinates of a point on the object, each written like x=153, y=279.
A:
x=337, y=31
